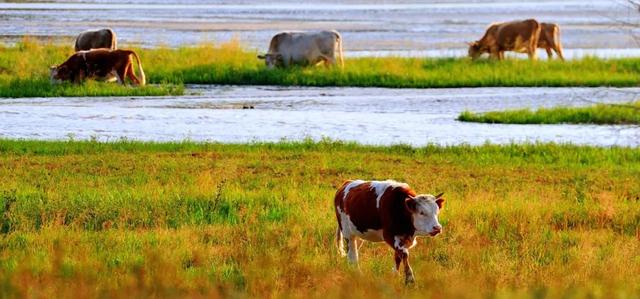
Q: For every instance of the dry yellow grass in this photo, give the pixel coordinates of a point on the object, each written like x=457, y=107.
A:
x=187, y=220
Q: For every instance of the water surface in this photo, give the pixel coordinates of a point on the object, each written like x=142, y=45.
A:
x=367, y=115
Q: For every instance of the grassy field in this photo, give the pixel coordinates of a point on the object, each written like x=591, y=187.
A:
x=24, y=71
x=87, y=219
x=602, y=114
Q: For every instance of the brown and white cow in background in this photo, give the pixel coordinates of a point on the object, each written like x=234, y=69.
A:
x=304, y=48
x=96, y=39
x=386, y=211
x=517, y=36
x=550, y=39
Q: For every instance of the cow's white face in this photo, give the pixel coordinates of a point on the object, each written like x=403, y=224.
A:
x=425, y=209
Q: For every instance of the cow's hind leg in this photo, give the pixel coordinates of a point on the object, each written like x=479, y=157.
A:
x=549, y=53
x=340, y=241
x=131, y=75
x=352, y=252
x=121, y=74
x=558, y=50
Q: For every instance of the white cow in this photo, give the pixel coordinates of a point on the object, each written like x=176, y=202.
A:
x=95, y=39
x=304, y=48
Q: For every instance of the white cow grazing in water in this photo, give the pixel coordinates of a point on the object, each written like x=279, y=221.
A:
x=304, y=48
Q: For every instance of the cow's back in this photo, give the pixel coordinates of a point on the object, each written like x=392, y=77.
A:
x=510, y=31
x=95, y=39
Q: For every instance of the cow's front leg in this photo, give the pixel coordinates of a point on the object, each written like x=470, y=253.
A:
x=494, y=54
x=408, y=272
x=398, y=259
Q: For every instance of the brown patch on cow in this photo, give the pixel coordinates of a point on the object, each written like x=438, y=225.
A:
x=397, y=219
x=99, y=63
x=360, y=205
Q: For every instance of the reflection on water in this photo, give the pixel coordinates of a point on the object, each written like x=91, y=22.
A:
x=365, y=115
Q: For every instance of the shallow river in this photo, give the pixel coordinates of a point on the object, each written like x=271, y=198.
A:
x=365, y=115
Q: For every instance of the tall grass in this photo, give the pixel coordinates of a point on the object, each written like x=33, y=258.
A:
x=27, y=64
x=602, y=114
x=87, y=219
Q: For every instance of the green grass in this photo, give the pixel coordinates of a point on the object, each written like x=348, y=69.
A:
x=601, y=114
x=88, y=219
x=26, y=65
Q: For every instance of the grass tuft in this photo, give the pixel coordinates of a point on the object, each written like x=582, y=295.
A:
x=601, y=114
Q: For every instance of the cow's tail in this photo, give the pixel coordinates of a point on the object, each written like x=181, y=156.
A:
x=340, y=241
x=340, y=52
x=143, y=78
x=114, y=40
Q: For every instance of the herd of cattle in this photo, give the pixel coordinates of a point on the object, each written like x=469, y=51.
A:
x=97, y=56
x=376, y=211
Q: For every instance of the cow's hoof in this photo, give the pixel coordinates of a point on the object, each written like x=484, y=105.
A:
x=409, y=281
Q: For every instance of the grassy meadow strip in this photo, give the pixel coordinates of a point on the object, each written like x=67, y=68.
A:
x=601, y=114
x=187, y=219
x=26, y=66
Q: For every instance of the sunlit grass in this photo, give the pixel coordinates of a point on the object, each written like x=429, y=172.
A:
x=602, y=114
x=26, y=66
x=24, y=72
x=87, y=219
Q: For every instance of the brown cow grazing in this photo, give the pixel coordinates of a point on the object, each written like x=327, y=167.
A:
x=98, y=64
x=550, y=39
x=517, y=36
x=386, y=211
x=95, y=39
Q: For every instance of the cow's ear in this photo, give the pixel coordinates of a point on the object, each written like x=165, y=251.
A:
x=440, y=203
x=410, y=203
x=262, y=57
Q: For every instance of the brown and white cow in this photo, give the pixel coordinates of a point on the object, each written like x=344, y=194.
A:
x=550, y=39
x=517, y=36
x=98, y=64
x=94, y=39
x=386, y=211
x=304, y=48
